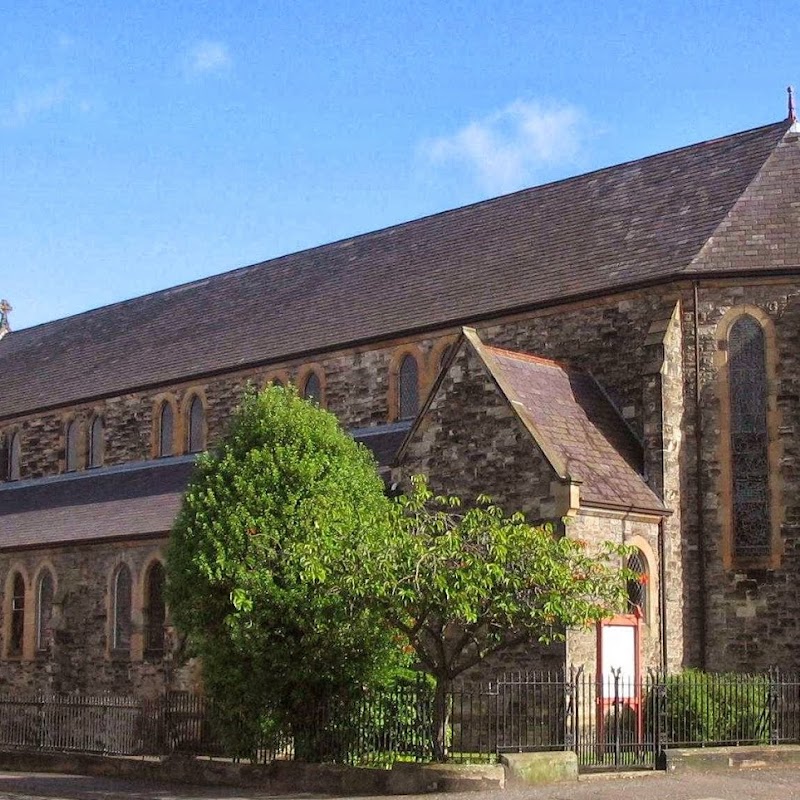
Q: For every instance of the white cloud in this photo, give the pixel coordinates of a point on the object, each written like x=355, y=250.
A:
x=208, y=56
x=506, y=148
x=33, y=102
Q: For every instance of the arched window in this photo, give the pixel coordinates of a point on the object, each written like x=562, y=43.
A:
x=196, y=433
x=749, y=438
x=637, y=587
x=17, y=627
x=166, y=424
x=155, y=611
x=44, y=611
x=408, y=388
x=71, y=446
x=312, y=390
x=121, y=610
x=14, y=455
x=96, y=450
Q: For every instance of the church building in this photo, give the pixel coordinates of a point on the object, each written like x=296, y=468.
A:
x=617, y=353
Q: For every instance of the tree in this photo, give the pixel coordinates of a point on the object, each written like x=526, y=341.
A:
x=271, y=522
x=461, y=585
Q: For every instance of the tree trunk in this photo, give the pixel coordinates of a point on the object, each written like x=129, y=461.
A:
x=441, y=718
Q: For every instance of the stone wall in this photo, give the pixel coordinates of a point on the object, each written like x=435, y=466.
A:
x=751, y=606
x=641, y=348
x=79, y=657
x=471, y=442
x=594, y=528
x=359, y=386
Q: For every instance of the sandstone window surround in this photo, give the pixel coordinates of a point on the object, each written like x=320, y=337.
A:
x=45, y=593
x=405, y=383
x=121, y=611
x=165, y=429
x=638, y=588
x=72, y=432
x=136, y=621
x=155, y=610
x=279, y=378
x=16, y=611
x=195, y=415
x=312, y=384
x=95, y=454
x=14, y=456
x=749, y=443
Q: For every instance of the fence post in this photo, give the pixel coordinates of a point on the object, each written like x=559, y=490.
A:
x=773, y=699
x=617, y=674
x=658, y=680
x=41, y=733
x=570, y=689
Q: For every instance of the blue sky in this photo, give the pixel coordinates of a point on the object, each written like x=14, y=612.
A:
x=148, y=144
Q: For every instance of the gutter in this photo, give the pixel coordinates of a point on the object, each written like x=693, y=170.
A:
x=496, y=315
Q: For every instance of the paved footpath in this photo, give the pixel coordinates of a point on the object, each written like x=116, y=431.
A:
x=768, y=784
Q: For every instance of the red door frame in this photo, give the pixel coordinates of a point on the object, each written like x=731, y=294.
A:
x=634, y=702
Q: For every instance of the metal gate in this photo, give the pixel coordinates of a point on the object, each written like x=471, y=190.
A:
x=611, y=724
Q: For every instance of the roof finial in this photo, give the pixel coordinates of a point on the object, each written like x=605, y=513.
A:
x=5, y=307
x=792, y=115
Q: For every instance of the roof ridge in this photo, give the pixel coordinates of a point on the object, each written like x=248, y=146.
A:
x=566, y=366
x=386, y=230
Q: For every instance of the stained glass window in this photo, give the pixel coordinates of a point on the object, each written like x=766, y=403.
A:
x=747, y=374
x=313, y=389
x=408, y=388
x=71, y=455
x=121, y=633
x=196, y=437
x=165, y=430
x=96, y=443
x=17, y=616
x=156, y=610
x=14, y=452
x=637, y=587
x=44, y=611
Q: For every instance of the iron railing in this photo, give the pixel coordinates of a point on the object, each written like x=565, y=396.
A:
x=611, y=722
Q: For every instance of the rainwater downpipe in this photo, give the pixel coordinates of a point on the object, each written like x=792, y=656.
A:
x=662, y=594
x=699, y=511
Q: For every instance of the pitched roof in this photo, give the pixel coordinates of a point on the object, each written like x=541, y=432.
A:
x=119, y=502
x=616, y=227
x=134, y=500
x=575, y=425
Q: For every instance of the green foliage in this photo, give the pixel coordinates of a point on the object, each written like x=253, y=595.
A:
x=264, y=566
x=716, y=708
x=460, y=584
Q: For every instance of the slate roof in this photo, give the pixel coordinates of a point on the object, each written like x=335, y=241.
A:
x=621, y=226
x=576, y=426
x=134, y=500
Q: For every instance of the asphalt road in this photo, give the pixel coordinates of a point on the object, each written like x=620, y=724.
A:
x=768, y=784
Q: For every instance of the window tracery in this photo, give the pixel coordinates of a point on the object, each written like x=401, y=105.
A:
x=749, y=438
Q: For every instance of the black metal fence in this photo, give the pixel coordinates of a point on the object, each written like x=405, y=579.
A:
x=611, y=722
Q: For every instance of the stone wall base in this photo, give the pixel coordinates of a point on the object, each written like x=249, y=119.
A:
x=278, y=777
x=725, y=758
